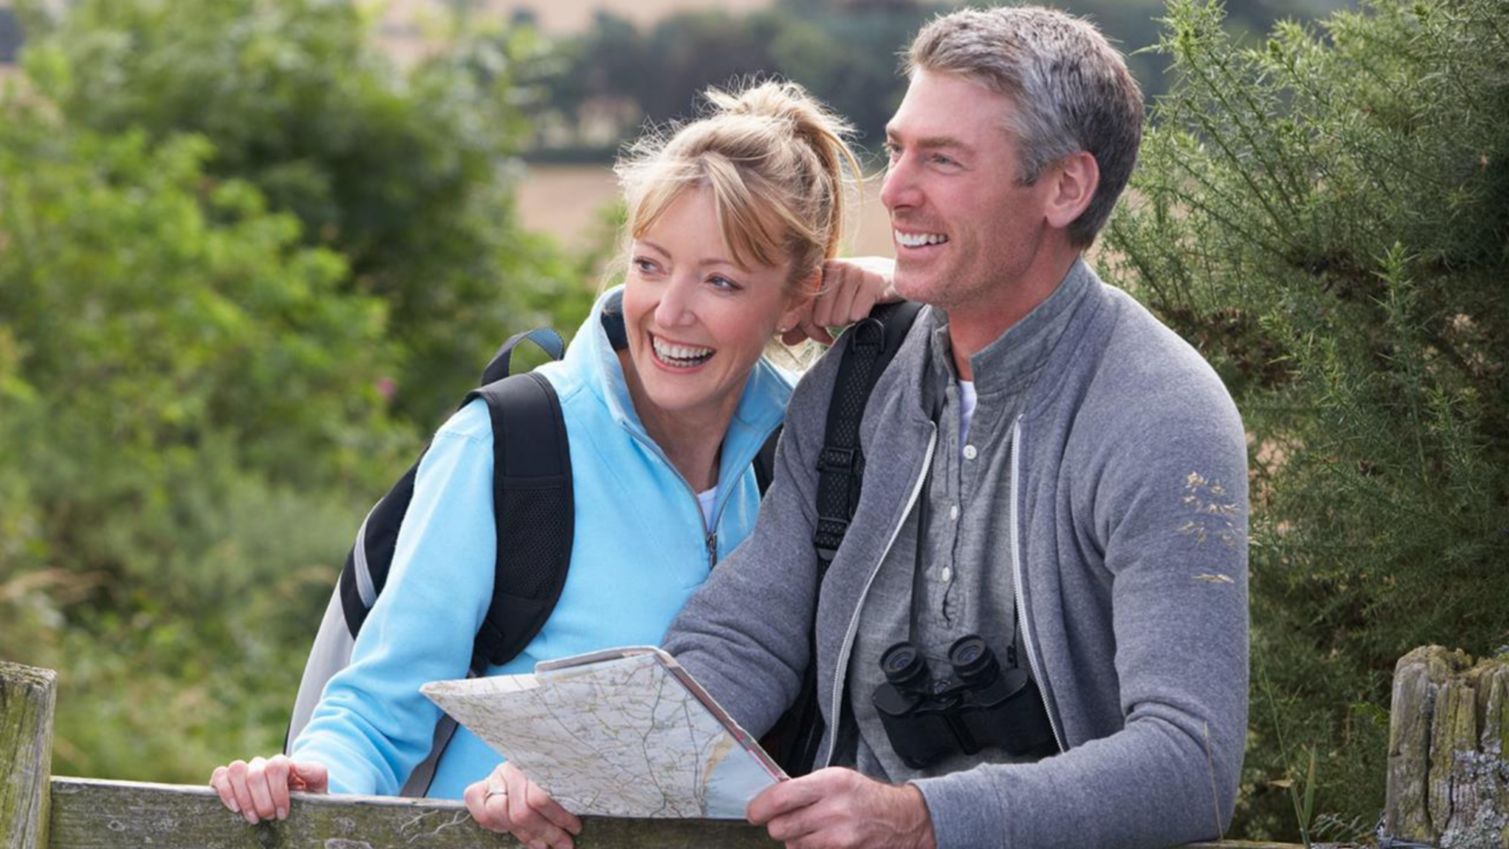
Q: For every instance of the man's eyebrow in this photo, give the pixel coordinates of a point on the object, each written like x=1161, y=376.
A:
x=931, y=142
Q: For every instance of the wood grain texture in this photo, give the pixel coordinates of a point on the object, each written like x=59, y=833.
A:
x=27, y=695
x=1448, y=778
x=89, y=814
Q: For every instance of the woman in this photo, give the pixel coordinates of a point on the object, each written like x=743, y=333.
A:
x=666, y=400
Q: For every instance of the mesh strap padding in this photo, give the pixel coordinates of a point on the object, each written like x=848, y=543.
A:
x=532, y=502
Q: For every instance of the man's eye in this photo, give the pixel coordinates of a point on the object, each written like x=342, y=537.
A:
x=940, y=159
x=892, y=151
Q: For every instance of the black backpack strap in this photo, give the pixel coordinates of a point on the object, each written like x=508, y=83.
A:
x=867, y=349
x=366, y=569
x=533, y=508
x=544, y=338
x=764, y=462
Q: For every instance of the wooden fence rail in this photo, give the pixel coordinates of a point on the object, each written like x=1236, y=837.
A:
x=38, y=811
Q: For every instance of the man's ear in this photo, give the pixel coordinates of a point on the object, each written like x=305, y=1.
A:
x=1073, y=182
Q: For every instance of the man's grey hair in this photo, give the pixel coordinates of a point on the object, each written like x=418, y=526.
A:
x=1069, y=87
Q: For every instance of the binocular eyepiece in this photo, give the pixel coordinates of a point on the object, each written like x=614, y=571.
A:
x=982, y=706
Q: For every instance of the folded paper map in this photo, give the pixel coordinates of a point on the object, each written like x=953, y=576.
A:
x=620, y=732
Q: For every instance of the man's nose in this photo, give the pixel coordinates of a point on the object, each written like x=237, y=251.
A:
x=899, y=188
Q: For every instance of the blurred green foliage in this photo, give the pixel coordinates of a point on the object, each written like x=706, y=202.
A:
x=1325, y=215
x=596, y=88
x=245, y=265
x=407, y=176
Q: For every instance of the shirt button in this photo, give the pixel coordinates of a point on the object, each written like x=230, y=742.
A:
x=969, y=452
x=953, y=512
x=947, y=574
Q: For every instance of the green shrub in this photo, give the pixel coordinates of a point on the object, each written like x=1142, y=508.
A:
x=190, y=421
x=1326, y=216
x=408, y=176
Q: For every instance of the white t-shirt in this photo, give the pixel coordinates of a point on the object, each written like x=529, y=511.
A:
x=706, y=498
x=967, y=399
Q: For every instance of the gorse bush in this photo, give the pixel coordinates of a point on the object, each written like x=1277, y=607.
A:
x=1326, y=216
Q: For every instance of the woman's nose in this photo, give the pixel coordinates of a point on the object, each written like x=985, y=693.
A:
x=675, y=307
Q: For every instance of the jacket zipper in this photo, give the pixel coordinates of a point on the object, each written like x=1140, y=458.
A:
x=709, y=534
x=1016, y=575
x=840, y=671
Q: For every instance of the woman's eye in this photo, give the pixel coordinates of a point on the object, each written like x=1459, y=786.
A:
x=644, y=266
x=718, y=281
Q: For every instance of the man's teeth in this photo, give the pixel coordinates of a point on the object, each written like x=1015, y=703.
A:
x=917, y=240
x=680, y=354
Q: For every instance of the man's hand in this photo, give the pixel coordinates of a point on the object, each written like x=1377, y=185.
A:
x=840, y=808
x=850, y=288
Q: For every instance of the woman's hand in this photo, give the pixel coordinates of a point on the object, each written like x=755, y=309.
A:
x=850, y=289
x=259, y=790
x=508, y=801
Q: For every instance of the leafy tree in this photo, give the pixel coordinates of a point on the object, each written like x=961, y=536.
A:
x=189, y=407
x=1326, y=215
x=408, y=177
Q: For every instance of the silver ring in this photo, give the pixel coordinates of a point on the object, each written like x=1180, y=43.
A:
x=494, y=791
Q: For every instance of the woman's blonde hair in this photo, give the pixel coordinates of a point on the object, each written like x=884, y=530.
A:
x=777, y=163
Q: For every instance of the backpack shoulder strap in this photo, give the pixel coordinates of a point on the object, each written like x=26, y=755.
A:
x=499, y=366
x=764, y=462
x=533, y=509
x=867, y=349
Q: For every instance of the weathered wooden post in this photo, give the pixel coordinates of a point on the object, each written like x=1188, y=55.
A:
x=1448, y=775
x=26, y=701
x=38, y=811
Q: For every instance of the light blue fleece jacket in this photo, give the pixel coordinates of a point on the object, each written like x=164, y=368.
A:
x=639, y=549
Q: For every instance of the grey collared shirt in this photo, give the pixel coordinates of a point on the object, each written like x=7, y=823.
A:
x=959, y=585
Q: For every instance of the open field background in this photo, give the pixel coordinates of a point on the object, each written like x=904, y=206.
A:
x=565, y=201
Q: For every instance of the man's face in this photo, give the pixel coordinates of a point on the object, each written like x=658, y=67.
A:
x=964, y=227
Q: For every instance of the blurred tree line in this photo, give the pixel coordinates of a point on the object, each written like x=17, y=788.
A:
x=597, y=88
x=246, y=264
x=1325, y=215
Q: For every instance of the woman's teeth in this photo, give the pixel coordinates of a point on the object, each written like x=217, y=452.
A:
x=680, y=355
x=917, y=240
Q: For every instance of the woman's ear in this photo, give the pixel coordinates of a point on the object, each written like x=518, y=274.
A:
x=799, y=300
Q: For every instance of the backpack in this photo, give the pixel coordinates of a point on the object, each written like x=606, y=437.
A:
x=534, y=516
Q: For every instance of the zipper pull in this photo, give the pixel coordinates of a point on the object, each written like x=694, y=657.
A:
x=712, y=549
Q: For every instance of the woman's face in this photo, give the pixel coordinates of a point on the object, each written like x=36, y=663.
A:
x=697, y=321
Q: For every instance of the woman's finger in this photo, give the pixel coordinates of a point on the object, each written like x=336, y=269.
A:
x=256, y=782
x=220, y=782
x=543, y=802
x=277, y=773
x=236, y=777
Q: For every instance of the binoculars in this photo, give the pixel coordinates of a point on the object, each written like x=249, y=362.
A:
x=983, y=706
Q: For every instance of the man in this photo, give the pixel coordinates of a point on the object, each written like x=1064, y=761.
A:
x=1047, y=468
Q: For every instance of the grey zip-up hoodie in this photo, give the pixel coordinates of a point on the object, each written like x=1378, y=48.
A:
x=1130, y=555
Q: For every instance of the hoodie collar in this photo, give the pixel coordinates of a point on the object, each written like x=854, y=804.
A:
x=1010, y=363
